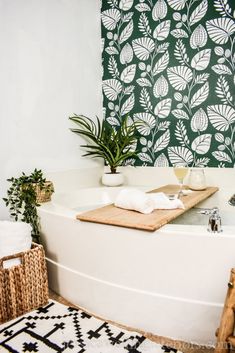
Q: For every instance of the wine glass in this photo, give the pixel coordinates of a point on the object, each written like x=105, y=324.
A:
x=180, y=171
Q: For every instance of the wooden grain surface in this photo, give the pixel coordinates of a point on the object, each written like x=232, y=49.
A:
x=131, y=219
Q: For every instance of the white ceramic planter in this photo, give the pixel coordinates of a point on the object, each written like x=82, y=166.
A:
x=109, y=179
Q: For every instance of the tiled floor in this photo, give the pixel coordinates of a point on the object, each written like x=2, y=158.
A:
x=183, y=346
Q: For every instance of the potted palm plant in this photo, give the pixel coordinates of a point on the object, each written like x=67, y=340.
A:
x=113, y=145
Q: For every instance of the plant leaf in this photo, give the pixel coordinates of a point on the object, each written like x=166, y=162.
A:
x=126, y=33
x=128, y=105
x=198, y=13
x=144, y=82
x=143, y=47
x=125, y=5
x=162, y=30
x=201, y=60
x=142, y=7
x=161, y=161
x=163, y=108
x=221, y=69
x=126, y=54
x=179, y=33
x=162, y=142
x=202, y=143
x=220, y=29
x=128, y=73
x=180, y=155
x=179, y=76
x=180, y=114
x=161, y=64
x=222, y=156
x=200, y=96
x=112, y=88
x=221, y=116
x=110, y=18
x=145, y=123
x=177, y=4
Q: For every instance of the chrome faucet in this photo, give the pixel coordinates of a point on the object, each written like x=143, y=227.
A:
x=231, y=201
x=214, y=222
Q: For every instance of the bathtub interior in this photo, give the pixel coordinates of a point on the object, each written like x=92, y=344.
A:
x=85, y=199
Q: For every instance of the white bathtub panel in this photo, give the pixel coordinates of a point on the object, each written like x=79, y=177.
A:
x=159, y=315
x=182, y=264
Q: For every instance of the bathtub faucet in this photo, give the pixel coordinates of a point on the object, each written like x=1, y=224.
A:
x=231, y=201
x=214, y=222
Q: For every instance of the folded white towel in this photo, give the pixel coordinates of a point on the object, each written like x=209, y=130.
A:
x=133, y=199
x=14, y=237
x=162, y=202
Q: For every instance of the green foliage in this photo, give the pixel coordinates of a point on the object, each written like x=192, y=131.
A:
x=113, y=145
x=22, y=200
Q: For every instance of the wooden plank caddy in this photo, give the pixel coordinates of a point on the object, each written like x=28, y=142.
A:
x=112, y=215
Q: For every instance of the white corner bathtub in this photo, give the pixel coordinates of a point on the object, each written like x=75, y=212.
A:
x=171, y=282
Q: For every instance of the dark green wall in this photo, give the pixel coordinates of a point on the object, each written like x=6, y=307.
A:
x=170, y=64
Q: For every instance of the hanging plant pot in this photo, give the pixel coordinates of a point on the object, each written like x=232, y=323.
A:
x=112, y=179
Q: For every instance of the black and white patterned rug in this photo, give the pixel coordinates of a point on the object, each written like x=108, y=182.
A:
x=59, y=328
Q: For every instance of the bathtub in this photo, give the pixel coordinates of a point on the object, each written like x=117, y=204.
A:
x=171, y=282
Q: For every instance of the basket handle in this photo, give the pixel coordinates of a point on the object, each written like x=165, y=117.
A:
x=10, y=257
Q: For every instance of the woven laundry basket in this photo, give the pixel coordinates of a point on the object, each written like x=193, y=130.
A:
x=23, y=287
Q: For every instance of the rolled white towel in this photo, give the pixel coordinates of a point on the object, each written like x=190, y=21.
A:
x=162, y=202
x=133, y=199
x=137, y=200
x=15, y=237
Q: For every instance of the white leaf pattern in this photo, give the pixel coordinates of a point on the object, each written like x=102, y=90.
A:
x=200, y=96
x=143, y=47
x=160, y=88
x=201, y=144
x=110, y=18
x=198, y=13
x=221, y=156
x=161, y=161
x=221, y=116
x=126, y=5
x=179, y=76
x=162, y=30
x=180, y=155
x=112, y=88
x=180, y=114
x=128, y=105
x=173, y=61
x=128, y=73
x=220, y=29
x=179, y=33
x=126, y=33
x=142, y=7
x=146, y=122
x=162, y=142
x=126, y=54
x=161, y=64
x=201, y=60
x=144, y=82
x=177, y=4
x=163, y=108
x=221, y=69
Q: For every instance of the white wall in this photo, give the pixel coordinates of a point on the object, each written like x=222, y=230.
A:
x=50, y=65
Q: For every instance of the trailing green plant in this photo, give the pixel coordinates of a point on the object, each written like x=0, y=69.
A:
x=22, y=199
x=112, y=144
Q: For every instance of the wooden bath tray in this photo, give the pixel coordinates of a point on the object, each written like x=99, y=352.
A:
x=131, y=219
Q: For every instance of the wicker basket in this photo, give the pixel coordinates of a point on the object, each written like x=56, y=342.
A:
x=44, y=193
x=23, y=287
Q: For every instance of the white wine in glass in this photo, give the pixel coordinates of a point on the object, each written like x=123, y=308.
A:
x=180, y=173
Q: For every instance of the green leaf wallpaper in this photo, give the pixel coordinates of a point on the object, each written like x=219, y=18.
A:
x=170, y=66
